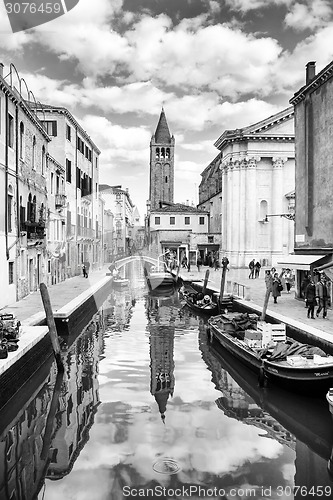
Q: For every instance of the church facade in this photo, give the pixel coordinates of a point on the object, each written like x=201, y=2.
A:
x=254, y=191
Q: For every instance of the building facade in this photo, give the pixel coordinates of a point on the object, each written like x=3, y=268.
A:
x=182, y=229
x=210, y=199
x=313, y=106
x=24, y=203
x=73, y=148
x=118, y=201
x=258, y=182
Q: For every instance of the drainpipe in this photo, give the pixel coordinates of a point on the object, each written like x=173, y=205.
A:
x=6, y=176
x=17, y=194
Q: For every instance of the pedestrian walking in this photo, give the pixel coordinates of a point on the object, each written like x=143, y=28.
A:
x=257, y=268
x=184, y=262
x=310, y=298
x=322, y=296
x=216, y=263
x=199, y=263
x=288, y=277
x=268, y=280
x=276, y=287
x=251, y=267
x=84, y=271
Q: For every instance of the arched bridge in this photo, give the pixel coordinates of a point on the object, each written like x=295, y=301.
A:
x=135, y=258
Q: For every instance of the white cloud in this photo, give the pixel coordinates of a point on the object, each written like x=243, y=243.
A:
x=247, y=5
x=194, y=56
x=316, y=13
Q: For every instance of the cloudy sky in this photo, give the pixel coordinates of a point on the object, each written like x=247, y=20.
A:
x=212, y=64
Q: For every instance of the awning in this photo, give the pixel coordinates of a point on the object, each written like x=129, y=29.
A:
x=303, y=262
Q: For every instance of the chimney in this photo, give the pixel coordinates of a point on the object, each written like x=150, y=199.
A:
x=310, y=71
x=1, y=70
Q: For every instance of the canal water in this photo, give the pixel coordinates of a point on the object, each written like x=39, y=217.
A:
x=149, y=408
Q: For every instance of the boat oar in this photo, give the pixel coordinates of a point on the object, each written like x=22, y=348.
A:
x=205, y=282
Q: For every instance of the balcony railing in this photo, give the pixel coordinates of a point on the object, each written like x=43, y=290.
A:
x=35, y=230
x=60, y=200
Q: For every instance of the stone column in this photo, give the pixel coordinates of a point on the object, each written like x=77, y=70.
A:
x=242, y=214
x=276, y=223
x=225, y=207
x=251, y=202
x=236, y=212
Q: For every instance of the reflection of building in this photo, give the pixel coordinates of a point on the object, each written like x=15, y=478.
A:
x=79, y=401
x=22, y=469
x=163, y=316
x=162, y=365
x=294, y=420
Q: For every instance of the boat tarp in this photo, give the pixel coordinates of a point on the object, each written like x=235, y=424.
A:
x=290, y=348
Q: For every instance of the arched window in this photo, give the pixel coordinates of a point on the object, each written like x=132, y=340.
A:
x=166, y=178
x=162, y=153
x=157, y=154
x=29, y=208
x=167, y=153
x=33, y=158
x=21, y=146
x=34, y=205
x=263, y=209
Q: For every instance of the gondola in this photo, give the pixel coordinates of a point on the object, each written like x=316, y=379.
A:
x=280, y=360
x=207, y=307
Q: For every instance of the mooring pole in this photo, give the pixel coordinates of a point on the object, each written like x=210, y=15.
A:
x=205, y=282
x=269, y=285
x=225, y=262
x=51, y=324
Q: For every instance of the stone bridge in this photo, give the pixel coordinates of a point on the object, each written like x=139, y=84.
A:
x=136, y=258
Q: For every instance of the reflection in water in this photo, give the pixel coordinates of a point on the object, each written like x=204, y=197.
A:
x=22, y=443
x=138, y=361
x=299, y=422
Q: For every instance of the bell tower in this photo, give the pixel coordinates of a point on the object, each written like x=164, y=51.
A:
x=162, y=145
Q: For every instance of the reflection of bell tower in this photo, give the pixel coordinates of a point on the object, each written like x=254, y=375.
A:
x=162, y=379
x=161, y=165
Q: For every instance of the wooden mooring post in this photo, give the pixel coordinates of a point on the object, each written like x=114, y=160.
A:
x=51, y=325
x=269, y=286
x=225, y=263
x=205, y=282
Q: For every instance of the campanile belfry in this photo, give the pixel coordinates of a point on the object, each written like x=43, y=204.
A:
x=162, y=144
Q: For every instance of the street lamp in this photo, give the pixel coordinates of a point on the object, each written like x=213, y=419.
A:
x=288, y=216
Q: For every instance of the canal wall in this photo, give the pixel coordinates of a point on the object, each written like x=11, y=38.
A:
x=35, y=346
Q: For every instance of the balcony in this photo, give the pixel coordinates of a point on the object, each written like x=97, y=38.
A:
x=35, y=230
x=60, y=200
